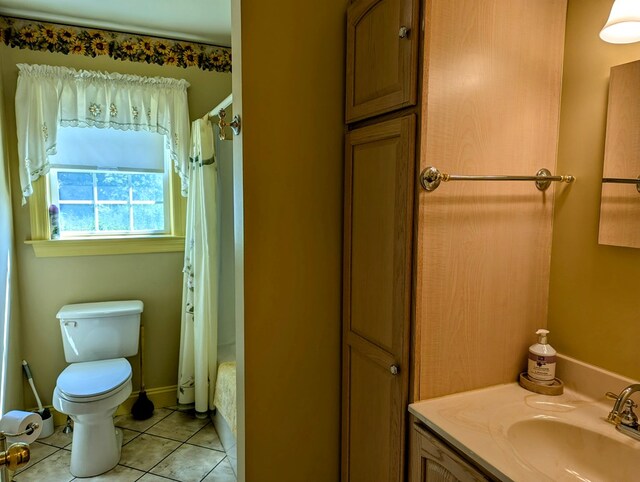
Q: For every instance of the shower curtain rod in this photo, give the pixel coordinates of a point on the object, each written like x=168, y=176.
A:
x=222, y=105
x=220, y=112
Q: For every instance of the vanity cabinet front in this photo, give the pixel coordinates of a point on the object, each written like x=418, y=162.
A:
x=433, y=461
x=382, y=57
x=377, y=292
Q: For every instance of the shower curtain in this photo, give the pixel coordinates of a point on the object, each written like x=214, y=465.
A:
x=199, y=331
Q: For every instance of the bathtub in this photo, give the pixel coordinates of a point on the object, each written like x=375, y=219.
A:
x=225, y=399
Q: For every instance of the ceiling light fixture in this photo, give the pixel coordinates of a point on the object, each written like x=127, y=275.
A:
x=623, y=25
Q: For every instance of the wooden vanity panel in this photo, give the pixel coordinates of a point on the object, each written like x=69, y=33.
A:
x=491, y=104
x=431, y=460
x=620, y=203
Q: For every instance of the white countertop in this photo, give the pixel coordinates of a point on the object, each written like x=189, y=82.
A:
x=476, y=423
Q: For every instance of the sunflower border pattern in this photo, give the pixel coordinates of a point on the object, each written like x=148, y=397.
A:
x=70, y=40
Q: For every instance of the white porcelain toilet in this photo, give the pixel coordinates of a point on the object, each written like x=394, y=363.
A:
x=96, y=338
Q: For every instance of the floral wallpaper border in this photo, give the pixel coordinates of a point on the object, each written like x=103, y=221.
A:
x=69, y=40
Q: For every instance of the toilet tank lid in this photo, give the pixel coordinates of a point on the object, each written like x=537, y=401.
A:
x=104, y=308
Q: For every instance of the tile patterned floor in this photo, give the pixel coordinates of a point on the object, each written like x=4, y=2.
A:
x=170, y=446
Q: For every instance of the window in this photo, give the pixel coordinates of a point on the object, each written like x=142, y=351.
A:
x=106, y=202
x=110, y=182
x=115, y=195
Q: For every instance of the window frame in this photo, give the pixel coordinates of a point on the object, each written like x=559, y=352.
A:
x=44, y=246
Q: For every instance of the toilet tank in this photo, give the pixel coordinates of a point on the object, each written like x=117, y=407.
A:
x=100, y=331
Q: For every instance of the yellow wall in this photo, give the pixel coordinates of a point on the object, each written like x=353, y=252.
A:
x=45, y=284
x=11, y=353
x=593, y=305
x=293, y=105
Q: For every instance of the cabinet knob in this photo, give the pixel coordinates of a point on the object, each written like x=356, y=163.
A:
x=394, y=369
x=404, y=32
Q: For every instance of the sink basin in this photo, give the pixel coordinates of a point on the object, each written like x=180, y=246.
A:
x=567, y=452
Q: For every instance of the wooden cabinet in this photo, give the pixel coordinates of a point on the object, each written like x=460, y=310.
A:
x=382, y=56
x=473, y=88
x=433, y=461
x=377, y=281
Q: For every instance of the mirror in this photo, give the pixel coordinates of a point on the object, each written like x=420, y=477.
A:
x=620, y=200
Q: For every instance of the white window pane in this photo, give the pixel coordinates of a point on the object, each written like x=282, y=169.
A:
x=112, y=186
x=147, y=187
x=77, y=217
x=148, y=217
x=75, y=186
x=113, y=217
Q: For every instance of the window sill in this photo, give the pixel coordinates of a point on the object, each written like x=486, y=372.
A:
x=106, y=246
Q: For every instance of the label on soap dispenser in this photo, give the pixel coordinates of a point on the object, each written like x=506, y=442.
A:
x=542, y=367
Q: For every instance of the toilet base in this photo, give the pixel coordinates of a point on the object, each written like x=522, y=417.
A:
x=96, y=444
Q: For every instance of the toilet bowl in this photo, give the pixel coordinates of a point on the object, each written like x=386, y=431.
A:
x=90, y=393
x=96, y=337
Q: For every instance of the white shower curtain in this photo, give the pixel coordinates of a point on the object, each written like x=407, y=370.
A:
x=199, y=332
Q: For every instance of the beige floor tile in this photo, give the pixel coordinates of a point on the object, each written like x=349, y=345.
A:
x=127, y=421
x=154, y=478
x=54, y=468
x=189, y=463
x=145, y=451
x=38, y=452
x=128, y=435
x=57, y=438
x=207, y=437
x=222, y=473
x=178, y=426
x=117, y=474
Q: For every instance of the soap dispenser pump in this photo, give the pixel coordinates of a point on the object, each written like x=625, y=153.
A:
x=542, y=360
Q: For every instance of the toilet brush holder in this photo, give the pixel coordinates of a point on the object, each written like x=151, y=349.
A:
x=47, y=424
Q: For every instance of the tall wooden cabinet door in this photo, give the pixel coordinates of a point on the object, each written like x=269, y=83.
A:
x=376, y=309
x=382, y=56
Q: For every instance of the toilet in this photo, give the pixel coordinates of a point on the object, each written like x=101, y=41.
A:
x=96, y=338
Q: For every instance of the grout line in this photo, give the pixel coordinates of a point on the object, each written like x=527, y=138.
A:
x=36, y=463
x=214, y=468
x=165, y=457
x=145, y=432
x=205, y=447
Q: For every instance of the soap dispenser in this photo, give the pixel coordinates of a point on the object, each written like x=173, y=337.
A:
x=542, y=360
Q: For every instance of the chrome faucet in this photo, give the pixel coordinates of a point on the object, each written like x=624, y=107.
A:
x=621, y=401
x=622, y=415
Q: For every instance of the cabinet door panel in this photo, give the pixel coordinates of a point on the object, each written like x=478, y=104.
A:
x=432, y=461
x=372, y=256
x=377, y=270
x=381, y=61
x=373, y=453
x=380, y=159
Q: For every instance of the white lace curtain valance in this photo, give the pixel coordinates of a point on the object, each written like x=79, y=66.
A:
x=48, y=97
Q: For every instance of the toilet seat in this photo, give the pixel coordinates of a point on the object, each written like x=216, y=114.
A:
x=95, y=380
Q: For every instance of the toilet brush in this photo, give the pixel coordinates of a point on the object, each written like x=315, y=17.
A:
x=45, y=414
x=142, y=408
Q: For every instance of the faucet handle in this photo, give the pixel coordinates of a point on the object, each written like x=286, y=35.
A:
x=611, y=396
x=628, y=416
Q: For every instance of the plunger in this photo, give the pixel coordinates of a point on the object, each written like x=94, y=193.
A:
x=142, y=408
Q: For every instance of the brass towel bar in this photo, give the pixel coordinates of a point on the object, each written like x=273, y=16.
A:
x=431, y=177
x=623, y=180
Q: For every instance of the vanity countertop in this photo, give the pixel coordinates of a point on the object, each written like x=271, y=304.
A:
x=480, y=424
